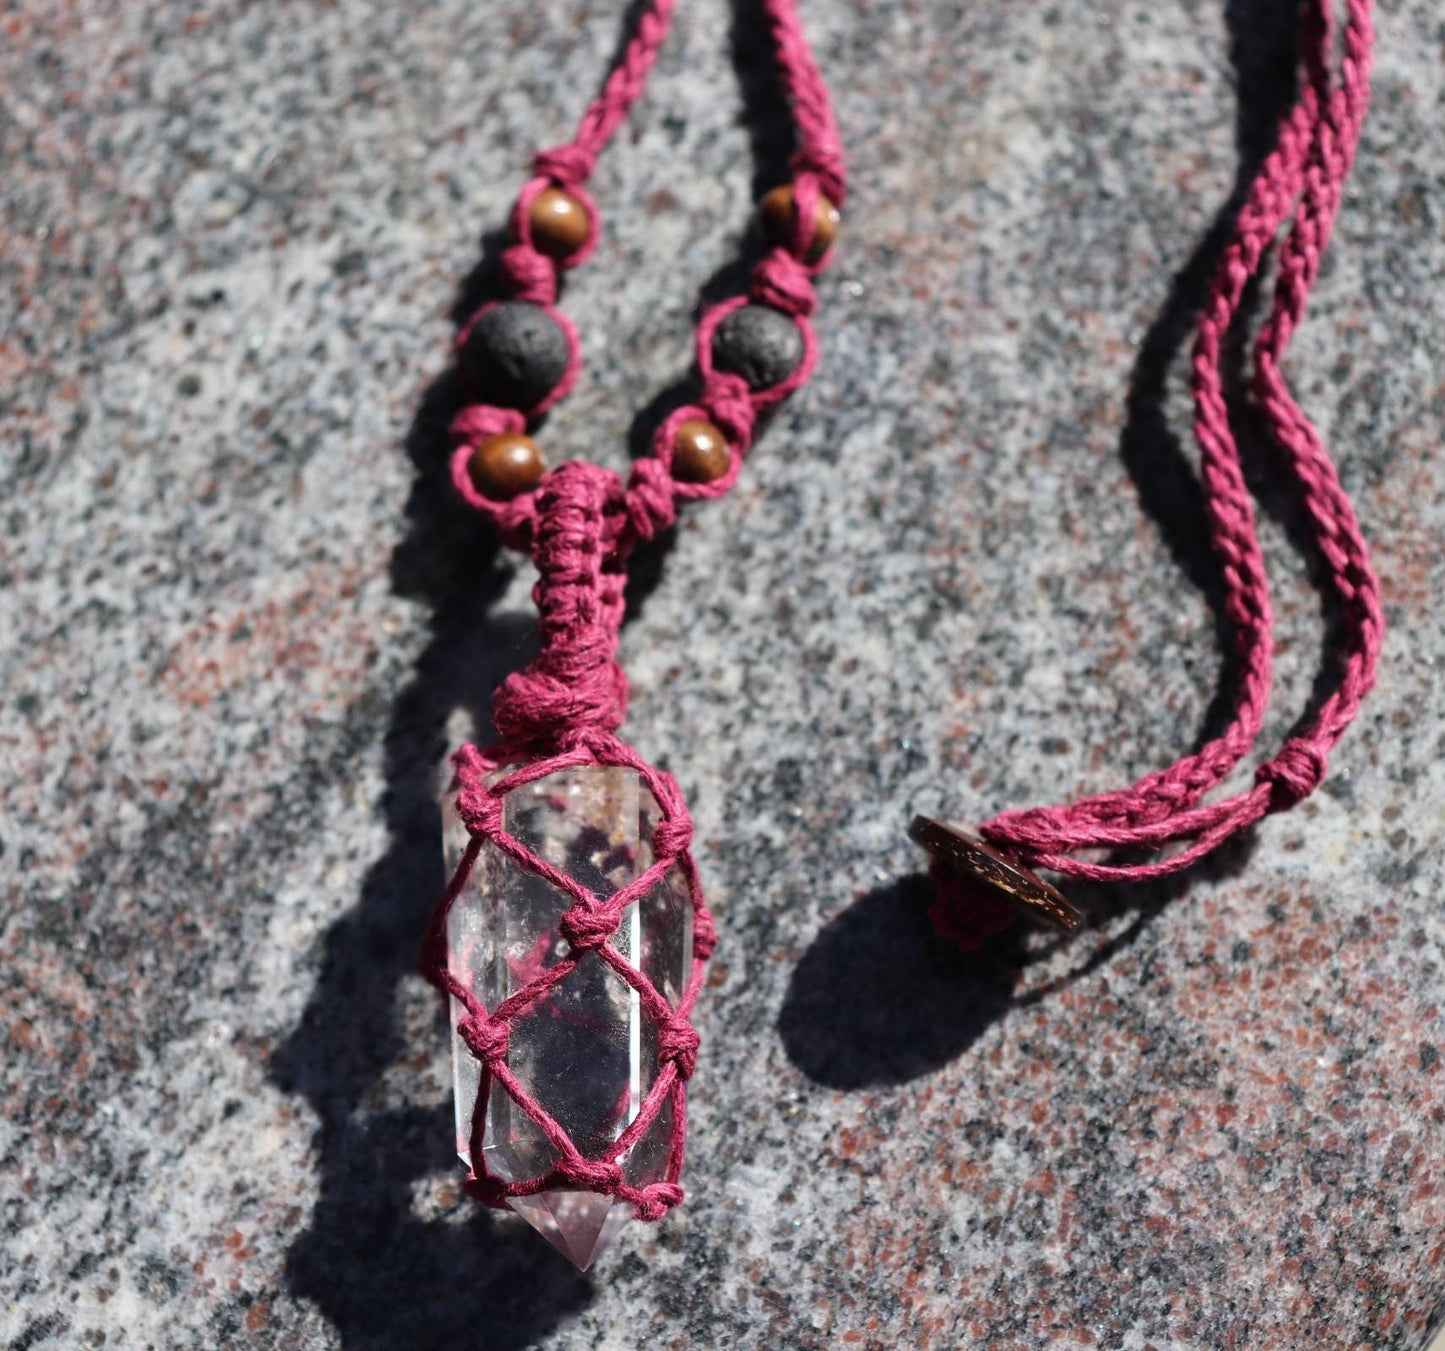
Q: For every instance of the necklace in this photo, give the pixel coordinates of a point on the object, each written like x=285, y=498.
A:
x=986, y=881
x=572, y=938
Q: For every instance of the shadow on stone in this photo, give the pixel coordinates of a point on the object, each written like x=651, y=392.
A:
x=878, y=998
x=766, y=114
x=381, y=1271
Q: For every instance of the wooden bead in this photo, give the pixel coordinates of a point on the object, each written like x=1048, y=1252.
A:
x=776, y=213
x=699, y=452
x=506, y=465
x=560, y=223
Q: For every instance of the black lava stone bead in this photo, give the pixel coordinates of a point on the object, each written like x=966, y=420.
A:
x=760, y=344
x=515, y=355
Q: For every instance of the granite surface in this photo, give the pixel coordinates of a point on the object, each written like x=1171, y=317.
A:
x=240, y=618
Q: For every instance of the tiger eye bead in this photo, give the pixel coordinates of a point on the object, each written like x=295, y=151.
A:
x=699, y=452
x=560, y=223
x=506, y=466
x=776, y=214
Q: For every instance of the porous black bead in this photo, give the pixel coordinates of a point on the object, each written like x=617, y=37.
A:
x=762, y=345
x=515, y=355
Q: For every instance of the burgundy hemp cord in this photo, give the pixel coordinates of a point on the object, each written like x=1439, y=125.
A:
x=1299, y=187
x=579, y=522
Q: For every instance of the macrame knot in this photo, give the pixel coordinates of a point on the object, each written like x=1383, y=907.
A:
x=657, y=1199
x=529, y=275
x=481, y=810
x=677, y=1041
x=651, y=499
x=1293, y=774
x=487, y=1190
x=782, y=282
x=574, y=688
x=671, y=836
x=595, y=1175
x=586, y=929
x=568, y=166
x=729, y=403
x=476, y=421
x=533, y=708
x=486, y=1038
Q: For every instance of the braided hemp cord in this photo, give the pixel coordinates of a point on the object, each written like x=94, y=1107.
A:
x=1301, y=183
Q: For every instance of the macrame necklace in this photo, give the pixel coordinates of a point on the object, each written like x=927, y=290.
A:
x=572, y=937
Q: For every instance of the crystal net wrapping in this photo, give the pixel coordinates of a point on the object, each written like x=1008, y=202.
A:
x=572, y=1084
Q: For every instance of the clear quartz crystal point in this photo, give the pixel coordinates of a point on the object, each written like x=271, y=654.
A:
x=586, y=1051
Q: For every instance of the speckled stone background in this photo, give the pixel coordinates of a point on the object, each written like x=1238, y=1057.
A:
x=240, y=618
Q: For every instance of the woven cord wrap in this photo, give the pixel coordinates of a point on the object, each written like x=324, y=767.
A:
x=580, y=526
x=1300, y=184
x=588, y=927
x=574, y=688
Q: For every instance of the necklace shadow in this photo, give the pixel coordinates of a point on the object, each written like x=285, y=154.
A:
x=394, y=1254
x=878, y=998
